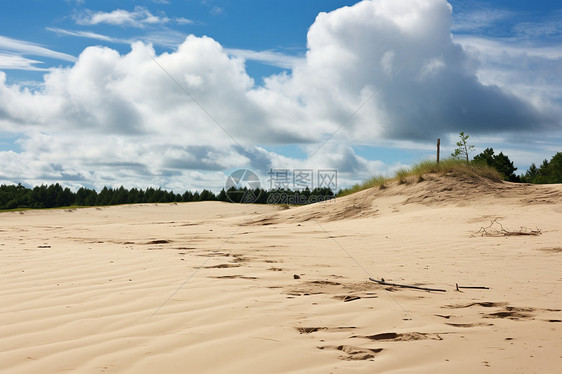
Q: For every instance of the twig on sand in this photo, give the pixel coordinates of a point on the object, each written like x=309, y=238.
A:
x=471, y=287
x=384, y=283
x=492, y=230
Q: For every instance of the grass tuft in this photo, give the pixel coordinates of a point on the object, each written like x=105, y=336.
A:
x=401, y=175
x=377, y=181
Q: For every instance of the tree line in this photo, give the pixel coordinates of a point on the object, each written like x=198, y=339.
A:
x=55, y=196
x=547, y=172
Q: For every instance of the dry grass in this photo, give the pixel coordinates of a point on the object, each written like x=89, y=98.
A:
x=378, y=181
x=401, y=175
x=452, y=167
x=455, y=167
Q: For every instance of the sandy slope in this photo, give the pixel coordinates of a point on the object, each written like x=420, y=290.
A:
x=209, y=287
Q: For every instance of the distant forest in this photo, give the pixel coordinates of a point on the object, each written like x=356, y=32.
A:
x=55, y=196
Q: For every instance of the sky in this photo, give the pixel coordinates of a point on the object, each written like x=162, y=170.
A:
x=178, y=94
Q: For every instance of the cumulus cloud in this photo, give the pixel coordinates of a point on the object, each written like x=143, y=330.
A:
x=352, y=50
x=379, y=71
x=533, y=74
x=108, y=93
x=122, y=117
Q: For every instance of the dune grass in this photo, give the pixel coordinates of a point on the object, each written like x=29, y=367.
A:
x=416, y=172
x=458, y=167
x=377, y=181
x=69, y=207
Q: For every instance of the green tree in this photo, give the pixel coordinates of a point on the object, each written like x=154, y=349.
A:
x=222, y=196
x=133, y=196
x=542, y=176
x=53, y=191
x=555, y=168
x=81, y=196
x=91, y=198
x=64, y=197
x=486, y=157
x=550, y=172
x=187, y=196
x=463, y=148
x=500, y=162
x=120, y=196
x=543, y=169
x=12, y=197
x=531, y=174
x=207, y=195
x=105, y=196
x=547, y=172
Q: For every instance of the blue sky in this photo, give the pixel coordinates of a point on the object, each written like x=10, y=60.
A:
x=178, y=93
x=255, y=25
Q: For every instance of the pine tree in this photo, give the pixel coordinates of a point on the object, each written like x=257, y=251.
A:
x=463, y=148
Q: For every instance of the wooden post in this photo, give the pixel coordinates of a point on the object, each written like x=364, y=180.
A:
x=438, y=145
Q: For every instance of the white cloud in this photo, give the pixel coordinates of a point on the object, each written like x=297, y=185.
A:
x=15, y=62
x=349, y=57
x=387, y=62
x=88, y=35
x=140, y=17
x=183, y=21
x=550, y=27
x=479, y=19
x=22, y=47
x=432, y=68
x=508, y=48
x=166, y=38
x=216, y=10
x=267, y=57
x=532, y=73
x=114, y=118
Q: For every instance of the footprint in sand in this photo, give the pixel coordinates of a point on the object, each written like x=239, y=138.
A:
x=358, y=353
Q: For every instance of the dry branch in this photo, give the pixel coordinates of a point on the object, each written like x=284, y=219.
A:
x=496, y=229
x=384, y=283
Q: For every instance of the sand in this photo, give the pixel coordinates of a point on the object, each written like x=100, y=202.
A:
x=224, y=288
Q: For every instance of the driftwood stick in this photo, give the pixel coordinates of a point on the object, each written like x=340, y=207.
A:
x=472, y=287
x=384, y=283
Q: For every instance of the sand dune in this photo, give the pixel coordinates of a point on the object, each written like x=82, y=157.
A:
x=225, y=288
